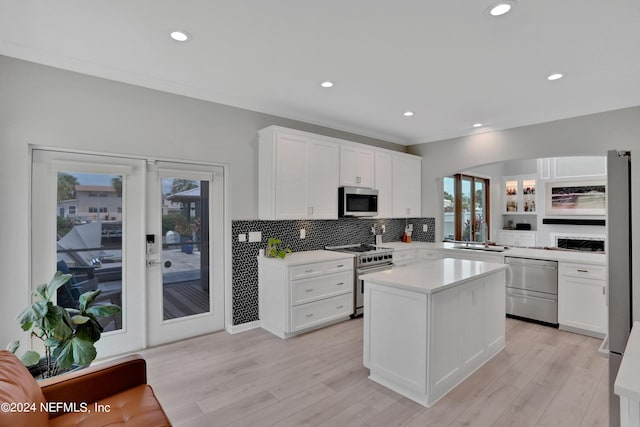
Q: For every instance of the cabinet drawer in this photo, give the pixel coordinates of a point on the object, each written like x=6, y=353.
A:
x=314, y=313
x=318, y=268
x=583, y=270
x=315, y=288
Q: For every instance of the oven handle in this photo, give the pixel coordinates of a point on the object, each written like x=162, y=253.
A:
x=374, y=269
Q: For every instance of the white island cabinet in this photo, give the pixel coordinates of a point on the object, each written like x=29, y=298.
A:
x=430, y=325
x=304, y=291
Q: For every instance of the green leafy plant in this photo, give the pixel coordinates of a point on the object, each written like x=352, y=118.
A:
x=274, y=250
x=68, y=334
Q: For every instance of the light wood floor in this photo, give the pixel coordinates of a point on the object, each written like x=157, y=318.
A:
x=544, y=377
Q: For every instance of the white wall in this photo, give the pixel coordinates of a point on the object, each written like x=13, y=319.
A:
x=49, y=107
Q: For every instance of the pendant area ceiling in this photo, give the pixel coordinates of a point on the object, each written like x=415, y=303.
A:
x=449, y=62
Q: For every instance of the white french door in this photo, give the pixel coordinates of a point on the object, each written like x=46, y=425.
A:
x=185, y=255
x=87, y=213
x=94, y=216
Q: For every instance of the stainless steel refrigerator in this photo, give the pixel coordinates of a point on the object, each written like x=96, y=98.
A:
x=619, y=253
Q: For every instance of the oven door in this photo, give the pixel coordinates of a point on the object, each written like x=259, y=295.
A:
x=359, y=290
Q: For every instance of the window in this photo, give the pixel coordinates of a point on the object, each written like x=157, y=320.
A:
x=93, y=210
x=103, y=194
x=72, y=210
x=103, y=210
x=466, y=208
x=93, y=194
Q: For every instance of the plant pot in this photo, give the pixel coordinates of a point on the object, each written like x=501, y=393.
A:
x=38, y=371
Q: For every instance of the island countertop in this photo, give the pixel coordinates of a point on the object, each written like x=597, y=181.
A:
x=434, y=276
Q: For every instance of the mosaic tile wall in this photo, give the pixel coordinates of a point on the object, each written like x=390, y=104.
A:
x=319, y=233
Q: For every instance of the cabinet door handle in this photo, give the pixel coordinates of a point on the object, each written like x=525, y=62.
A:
x=340, y=306
x=358, y=180
x=583, y=271
x=603, y=291
x=310, y=210
x=309, y=290
x=309, y=271
x=341, y=265
x=309, y=315
x=340, y=284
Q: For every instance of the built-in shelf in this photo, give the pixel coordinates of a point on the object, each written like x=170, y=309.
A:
x=574, y=221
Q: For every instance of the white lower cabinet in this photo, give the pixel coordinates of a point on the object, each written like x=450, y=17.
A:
x=301, y=297
x=467, y=328
x=404, y=257
x=582, y=299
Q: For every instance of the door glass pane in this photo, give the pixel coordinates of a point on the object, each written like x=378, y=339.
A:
x=89, y=239
x=449, y=208
x=185, y=247
x=482, y=232
x=465, y=214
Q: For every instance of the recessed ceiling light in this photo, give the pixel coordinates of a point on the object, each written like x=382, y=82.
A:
x=477, y=125
x=326, y=84
x=501, y=8
x=555, y=76
x=180, y=36
x=408, y=113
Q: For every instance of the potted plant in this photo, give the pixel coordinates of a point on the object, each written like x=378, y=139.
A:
x=68, y=334
x=274, y=250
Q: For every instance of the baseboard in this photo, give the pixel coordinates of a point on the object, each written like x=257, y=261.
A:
x=236, y=329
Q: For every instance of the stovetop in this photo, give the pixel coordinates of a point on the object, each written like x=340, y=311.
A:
x=362, y=248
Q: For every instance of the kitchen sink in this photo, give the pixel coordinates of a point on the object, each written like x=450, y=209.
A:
x=482, y=248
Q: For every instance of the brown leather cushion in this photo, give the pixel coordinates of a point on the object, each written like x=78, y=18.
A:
x=137, y=407
x=18, y=387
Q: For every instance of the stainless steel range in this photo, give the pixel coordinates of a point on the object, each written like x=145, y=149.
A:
x=368, y=259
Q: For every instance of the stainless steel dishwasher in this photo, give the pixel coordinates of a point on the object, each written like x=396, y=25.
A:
x=532, y=289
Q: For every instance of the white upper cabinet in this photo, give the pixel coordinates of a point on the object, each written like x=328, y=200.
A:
x=356, y=166
x=322, y=177
x=383, y=182
x=298, y=176
x=300, y=172
x=407, y=179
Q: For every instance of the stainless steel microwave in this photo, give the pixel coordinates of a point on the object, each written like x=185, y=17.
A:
x=357, y=201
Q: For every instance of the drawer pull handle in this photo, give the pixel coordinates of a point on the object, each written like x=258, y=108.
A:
x=309, y=315
x=309, y=290
x=340, y=265
x=340, y=306
x=603, y=291
x=308, y=271
x=340, y=284
x=583, y=271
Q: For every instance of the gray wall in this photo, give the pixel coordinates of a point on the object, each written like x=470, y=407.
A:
x=591, y=135
x=49, y=107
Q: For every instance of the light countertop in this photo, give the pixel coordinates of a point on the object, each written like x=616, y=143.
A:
x=552, y=255
x=305, y=257
x=434, y=276
x=628, y=380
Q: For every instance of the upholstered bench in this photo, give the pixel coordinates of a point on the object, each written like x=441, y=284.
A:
x=112, y=393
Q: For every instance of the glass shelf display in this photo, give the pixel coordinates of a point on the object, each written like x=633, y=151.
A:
x=519, y=195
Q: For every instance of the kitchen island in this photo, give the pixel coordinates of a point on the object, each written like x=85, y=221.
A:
x=430, y=325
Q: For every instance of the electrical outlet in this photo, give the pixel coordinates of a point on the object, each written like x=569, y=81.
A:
x=425, y=228
x=303, y=233
x=242, y=237
x=255, y=236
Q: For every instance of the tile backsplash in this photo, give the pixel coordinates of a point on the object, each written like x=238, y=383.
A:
x=319, y=233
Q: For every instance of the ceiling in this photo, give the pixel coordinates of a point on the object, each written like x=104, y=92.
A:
x=448, y=61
